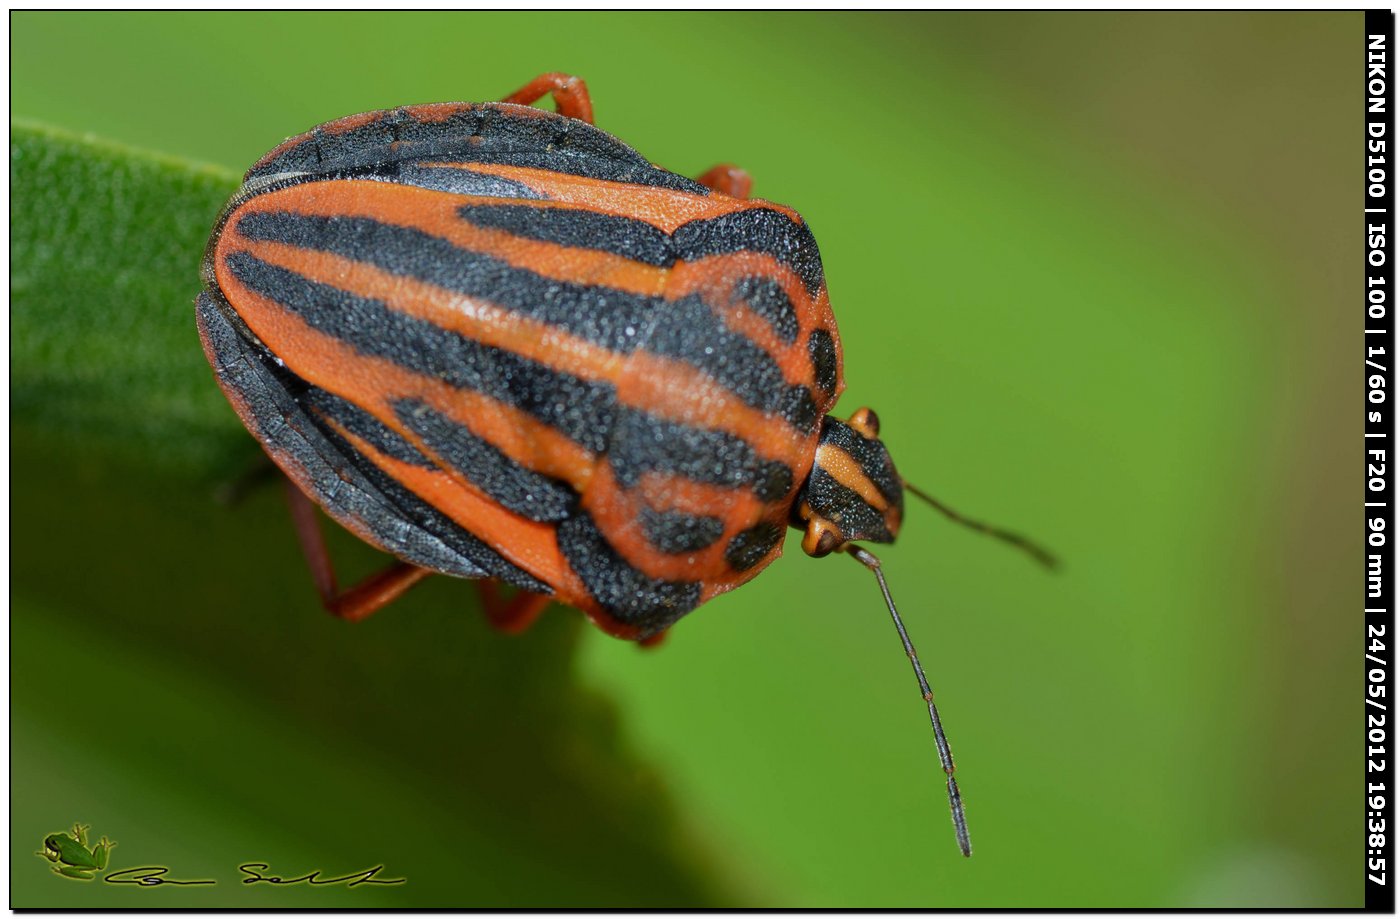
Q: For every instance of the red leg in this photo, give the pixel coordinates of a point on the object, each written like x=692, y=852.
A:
x=728, y=179
x=570, y=95
x=366, y=597
x=511, y=616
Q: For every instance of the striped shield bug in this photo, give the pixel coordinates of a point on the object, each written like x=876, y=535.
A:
x=497, y=343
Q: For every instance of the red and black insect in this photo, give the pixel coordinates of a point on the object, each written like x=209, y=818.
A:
x=497, y=343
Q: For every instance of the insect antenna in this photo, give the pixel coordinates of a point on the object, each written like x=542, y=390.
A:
x=1037, y=552
x=945, y=755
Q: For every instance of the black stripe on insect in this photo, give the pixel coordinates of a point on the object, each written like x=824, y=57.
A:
x=685, y=329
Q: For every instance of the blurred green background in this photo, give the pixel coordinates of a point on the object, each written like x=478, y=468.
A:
x=1097, y=273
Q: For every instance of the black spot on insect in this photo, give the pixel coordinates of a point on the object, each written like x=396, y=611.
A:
x=798, y=406
x=633, y=598
x=767, y=298
x=675, y=533
x=822, y=350
x=752, y=545
x=642, y=444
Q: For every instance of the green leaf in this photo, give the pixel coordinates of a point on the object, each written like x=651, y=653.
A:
x=176, y=685
x=105, y=247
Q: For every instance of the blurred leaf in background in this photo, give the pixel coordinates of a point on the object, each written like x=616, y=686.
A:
x=1093, y=270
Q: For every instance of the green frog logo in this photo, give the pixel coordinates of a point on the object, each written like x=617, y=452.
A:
x=71, y=856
